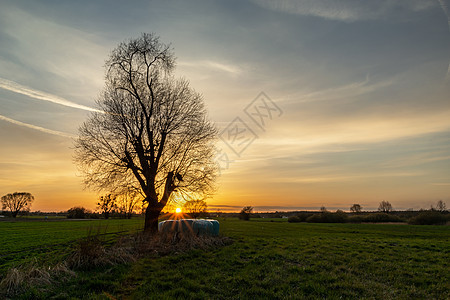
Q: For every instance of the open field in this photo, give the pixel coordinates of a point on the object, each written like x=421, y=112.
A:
x=27, y=239
x=267, y=260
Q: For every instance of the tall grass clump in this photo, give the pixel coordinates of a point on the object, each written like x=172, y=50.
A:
x=28, y=278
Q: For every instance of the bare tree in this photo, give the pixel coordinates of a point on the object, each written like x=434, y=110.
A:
x=17, y=202
x=106, y=204
x=385, y=206
x=356, y=208
x=195, y=208
x=154, y=133
x=128, y=202
x=245, y=213
x=441, y=206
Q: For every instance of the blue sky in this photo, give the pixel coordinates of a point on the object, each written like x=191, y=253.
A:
x=363, y=86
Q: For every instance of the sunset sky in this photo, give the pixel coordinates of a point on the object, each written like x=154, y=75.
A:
x=360, y=92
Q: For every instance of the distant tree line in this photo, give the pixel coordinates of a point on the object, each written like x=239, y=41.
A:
x=437, y=215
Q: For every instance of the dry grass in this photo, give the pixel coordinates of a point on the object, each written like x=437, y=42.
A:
x=18, y=280
x=164, y=244
x=91, y=253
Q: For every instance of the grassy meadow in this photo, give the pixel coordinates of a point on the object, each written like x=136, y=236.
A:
x=27, y=240
x=269, y=258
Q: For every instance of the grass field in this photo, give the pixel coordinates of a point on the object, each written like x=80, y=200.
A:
x=32, y=239
x=270, y=260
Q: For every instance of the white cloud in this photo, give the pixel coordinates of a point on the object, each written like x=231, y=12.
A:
x=42, y=129
x=44, y=46
x=213, y=66
x=36, y=94
x=344, y=10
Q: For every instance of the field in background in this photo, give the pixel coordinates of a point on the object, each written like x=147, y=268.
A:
x=267, y=260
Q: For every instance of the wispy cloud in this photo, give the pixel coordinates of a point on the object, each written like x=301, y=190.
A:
x=344, y=10
x=346, y=91
x=343, y=178
x=213, y=65
x=42, y=129
x=36, y=94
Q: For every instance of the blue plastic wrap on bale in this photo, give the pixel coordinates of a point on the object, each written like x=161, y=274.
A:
x=194, y=226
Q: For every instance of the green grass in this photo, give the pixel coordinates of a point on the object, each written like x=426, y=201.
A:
x=276, y=260
x=49, y=240
x=280, y=260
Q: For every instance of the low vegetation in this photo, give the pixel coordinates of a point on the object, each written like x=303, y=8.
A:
x=269, y=258
x=429, y=218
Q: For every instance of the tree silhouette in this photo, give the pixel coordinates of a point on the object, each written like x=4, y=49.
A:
x=356, y=208
x=106, y=204
x=77, y=212
x=17, y=202
x=195, y=208
x=128, y=201
x=385, y=206
x=245, y=213
x=154, y=133
x=440, y=206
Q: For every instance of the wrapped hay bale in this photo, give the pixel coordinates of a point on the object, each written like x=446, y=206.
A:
x=190, y=226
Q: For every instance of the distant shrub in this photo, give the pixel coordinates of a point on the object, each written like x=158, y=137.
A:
x=315, y=218
x=356, y=219
x=328, y=217
x=428, y=218
x=93, y=215
x=245, y=213
x=294, y=219
x=301, y=217
x=381, y=218
x=77, y=213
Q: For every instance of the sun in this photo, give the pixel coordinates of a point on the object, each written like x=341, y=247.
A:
x=178, y=210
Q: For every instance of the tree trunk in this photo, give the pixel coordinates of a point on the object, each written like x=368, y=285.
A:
x=151, y=219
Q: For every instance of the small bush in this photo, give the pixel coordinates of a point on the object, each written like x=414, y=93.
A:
x=77, y=213
x=245, y=213
x=429, y=218
x=328, y=217
x=301, y=217
x=93, y=216
x=356, y=219
x=381, y=218
x=315, y=218
x=294, y=219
